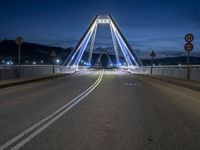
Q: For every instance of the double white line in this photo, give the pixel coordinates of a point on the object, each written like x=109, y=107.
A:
x=27, y=135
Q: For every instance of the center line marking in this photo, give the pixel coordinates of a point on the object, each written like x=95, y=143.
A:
x=50, y=119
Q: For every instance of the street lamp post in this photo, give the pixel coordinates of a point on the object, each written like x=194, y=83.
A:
x=19, y=42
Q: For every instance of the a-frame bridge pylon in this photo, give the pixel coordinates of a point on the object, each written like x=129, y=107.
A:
x=118, y=38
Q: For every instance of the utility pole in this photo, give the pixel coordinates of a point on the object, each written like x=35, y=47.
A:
x=152, y=54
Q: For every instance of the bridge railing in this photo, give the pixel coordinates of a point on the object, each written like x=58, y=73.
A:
x=179, y=71
x=12, y=72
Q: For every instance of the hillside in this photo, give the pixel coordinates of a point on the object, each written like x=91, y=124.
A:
x=41, y=54
x=30, y=52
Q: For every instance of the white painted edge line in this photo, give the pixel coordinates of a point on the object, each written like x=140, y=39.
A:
x=51, y=118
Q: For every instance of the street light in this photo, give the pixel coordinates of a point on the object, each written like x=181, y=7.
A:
x=41, y=61
x=19, y=42
x=58, y=61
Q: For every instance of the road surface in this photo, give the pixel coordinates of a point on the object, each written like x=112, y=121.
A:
x=102, y=110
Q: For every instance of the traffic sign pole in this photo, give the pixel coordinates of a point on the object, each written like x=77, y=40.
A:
x=188, y=65
x=152, y=54
x=19, y=60
x=151, y=64
x=19, y=54
x=53, y=55
x=188, y=48
x=53, y=64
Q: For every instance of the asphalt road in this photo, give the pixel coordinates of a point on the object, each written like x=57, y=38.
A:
x=108, y=110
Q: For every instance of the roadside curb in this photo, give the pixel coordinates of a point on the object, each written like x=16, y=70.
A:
x=25, y=81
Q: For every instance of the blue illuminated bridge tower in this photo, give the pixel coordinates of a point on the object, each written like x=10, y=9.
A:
x=120, y=45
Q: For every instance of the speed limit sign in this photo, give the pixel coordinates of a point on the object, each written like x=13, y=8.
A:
x=188, y=47
x=189, y=37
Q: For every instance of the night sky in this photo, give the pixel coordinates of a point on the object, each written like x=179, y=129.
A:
x=147, y=24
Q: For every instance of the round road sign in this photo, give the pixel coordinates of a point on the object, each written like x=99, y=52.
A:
x=189, y=37
x=19, y=40
x=188, y=47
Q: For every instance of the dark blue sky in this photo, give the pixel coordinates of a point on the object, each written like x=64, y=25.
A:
x=147, y=24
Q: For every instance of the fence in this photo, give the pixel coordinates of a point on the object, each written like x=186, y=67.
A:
x=12, y=72
x=173, y=71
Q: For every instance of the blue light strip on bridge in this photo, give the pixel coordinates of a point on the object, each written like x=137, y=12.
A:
x=122, y=43
x=83, y=47
x=123, y=49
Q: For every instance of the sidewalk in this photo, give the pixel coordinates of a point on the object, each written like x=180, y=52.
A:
x=15, y=82
x=191, y=84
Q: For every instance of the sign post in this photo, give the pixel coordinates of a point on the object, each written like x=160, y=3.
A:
x=53, y=55
x=152, y=54
x=188, y=48
x=19, y=42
